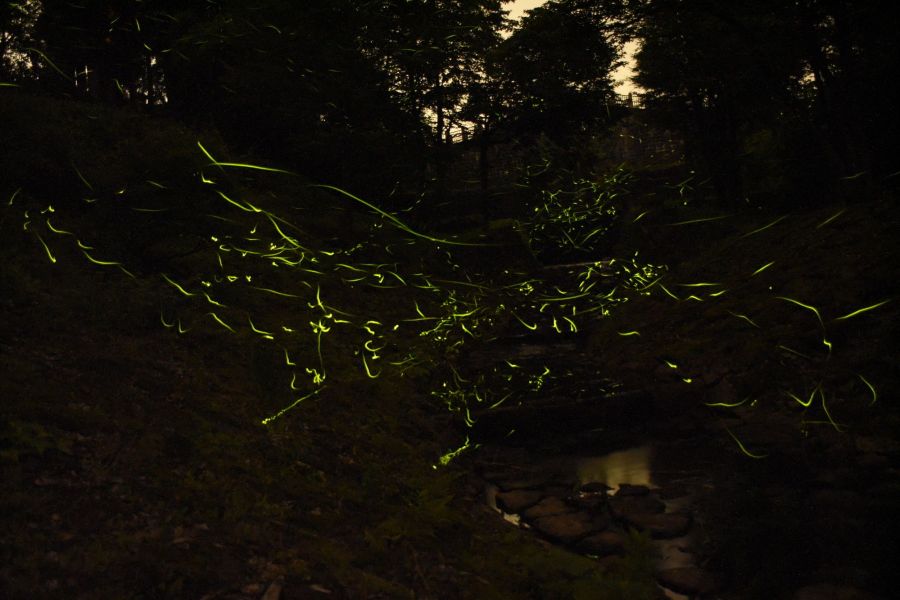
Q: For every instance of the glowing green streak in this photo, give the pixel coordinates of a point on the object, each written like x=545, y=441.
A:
x=162, y=319
x=670, y=364
x=394, y=220
x=400, y=279
x=55, y=230
x=801, y=402
x=792, y=351
x=352, y=268
x=806, y=306
x=240, y=165
x=764, y=227
x=445, y=459
x=704, y=284
x=725, y=404
x=717, y=294
x=6, y=84
x=562, y=299
x=640, y=216
x=46, y=248
x=268, y=420
x=862, y=310
x=221, y=322
x=457, y=378
x=628, y=333
x=287, y=358
x=272, y=218
x=107, y=263
x=519, y=319
x=156, y=184
x=705, y=220
x=464, y=283
x=762, y=268
x=178, y=287
x=374, y=351
x=666, y=290
x=400, y=363
x=249, y=208
x=572, y=327
x=646, y=287
x=83, y=180
x=13, y=197
x=265, y=334
x=253, y=167
x=368, y=371
x=831, y=218
x=49, y=62
x=209, y=156
x=743, y=448
x=513, y=365
x=744, y=317
x=871, y=389
x=500, y=401
x=837, y=427
x=276, y=292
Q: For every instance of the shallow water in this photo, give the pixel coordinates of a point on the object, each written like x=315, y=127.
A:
x=631, y=466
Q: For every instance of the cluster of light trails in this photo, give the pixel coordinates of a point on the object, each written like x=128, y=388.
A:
x=259, y=276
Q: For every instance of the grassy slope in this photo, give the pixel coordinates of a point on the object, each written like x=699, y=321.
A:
x=133, y=459
x=746, y=338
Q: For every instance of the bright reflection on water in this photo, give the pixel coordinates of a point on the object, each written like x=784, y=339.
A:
x=630, y=466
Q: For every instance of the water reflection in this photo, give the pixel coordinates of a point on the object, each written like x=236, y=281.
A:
x=630, y=466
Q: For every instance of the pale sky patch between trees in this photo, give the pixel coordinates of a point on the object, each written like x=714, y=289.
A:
x=622, y=76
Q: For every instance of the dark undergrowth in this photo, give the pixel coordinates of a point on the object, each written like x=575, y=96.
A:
x=166, y=306
x=137, y=376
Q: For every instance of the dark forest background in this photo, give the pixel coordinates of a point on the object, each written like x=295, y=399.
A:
x=774, y=102
x=497, y=260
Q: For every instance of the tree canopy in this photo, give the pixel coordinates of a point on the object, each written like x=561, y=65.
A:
x=771, y=98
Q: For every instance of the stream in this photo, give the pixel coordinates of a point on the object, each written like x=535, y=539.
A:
x=585, y=465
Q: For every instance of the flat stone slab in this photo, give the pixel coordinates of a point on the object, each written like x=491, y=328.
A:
x=626, y=489
x=516, y=501
x=691, y=581
x=595, y=486
x=548, y=507
x=605, y=543
x=662, y=525
x=588, y=500
x=626, y=507
x=568, y=528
